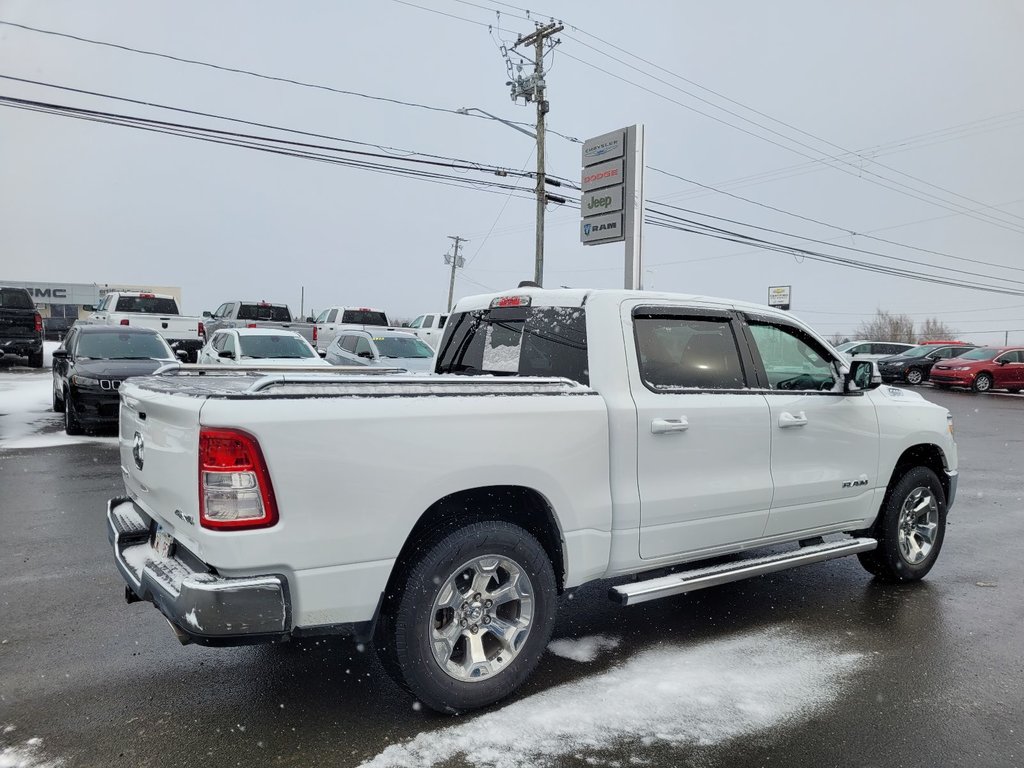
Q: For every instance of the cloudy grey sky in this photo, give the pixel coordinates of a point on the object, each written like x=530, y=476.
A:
x=927, y=93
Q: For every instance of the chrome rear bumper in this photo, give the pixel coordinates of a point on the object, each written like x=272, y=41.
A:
x=201, y=606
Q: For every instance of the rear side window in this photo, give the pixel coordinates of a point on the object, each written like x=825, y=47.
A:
x=147, y=305
x=15, y=298
x=363, y=317
x=687, y=353
x=277, y=313
x=517, y=341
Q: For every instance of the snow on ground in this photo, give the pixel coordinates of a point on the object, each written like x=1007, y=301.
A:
x=584, y=649
x=668, y=695
x=28, y=755
x=26, y=417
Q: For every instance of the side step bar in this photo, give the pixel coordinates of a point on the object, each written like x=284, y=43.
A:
x=701, y=578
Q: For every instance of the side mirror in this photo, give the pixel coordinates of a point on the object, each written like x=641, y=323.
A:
x=1003, y=361
x=60, y=354
x=181, y=354
x=89, y=307
x=207, y=313
x=367, y=355
x=862, y=374
x=310, y=320
x=322, y=352
x=226, y=353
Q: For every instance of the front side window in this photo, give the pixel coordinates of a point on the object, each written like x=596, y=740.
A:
x=219, y=341
x=1011, y=357
x=417, y=322
x=791, y=360
x=363, y=347
x=687, y=353
x=322, y=317
x=348, y=343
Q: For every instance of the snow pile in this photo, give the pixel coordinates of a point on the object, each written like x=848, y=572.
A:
x=26, y=756
x=700, y=695
x=585, y=649
x=26, y=417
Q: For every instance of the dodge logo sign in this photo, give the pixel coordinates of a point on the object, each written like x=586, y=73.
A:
x=138, y=450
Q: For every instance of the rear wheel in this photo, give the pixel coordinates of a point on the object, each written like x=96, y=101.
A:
x=982, y=383
x=914, y=376
x=910, y=529
x=472, y=617
x=72, y=426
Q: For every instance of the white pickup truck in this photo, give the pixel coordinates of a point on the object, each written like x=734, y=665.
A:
x=156, y=311
x=429, y=327
x=570, y=436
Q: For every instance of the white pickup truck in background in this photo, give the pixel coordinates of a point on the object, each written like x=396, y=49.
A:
x=256, y=314
x=584, y=435
x=333, y=320
x=429, y=327
x=156, y=311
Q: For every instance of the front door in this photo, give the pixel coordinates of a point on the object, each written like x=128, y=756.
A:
x=703, y=437
x=825, y=443
x=1009, y=372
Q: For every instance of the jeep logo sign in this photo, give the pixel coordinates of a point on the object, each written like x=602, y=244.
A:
x=603, y=201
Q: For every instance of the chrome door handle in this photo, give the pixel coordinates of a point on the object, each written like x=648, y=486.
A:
x=787, y=419
x=663, y=426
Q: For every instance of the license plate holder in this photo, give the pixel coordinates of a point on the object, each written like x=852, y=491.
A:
x=163, y=542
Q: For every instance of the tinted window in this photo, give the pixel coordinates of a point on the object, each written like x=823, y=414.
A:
x=428, y=321
x=363, y=346
x=15, y=298
x=441, y=320
x=122, y=346
x=363, y=317
x=332, y=315
x=677, y=352
x=149, y=306
x=1012, y=357
x=219, y=341
x=791, y=360
x=277, y=313
x=348, y=343
x=397, y=346
x=274, y=346
x=524, y=341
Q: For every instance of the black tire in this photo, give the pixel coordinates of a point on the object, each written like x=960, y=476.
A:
x=409, y=620
x=891, y=560
x=72, y=426
x=1013, y=390
x=58, y=403
x=982, y=382
x=941, y=386
x=35, y=359
x=914, y=376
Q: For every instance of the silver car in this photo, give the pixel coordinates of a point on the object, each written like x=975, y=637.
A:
x=383, y=349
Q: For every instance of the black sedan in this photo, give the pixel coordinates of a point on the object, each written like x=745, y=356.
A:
x=915, y=365
x=90, y=365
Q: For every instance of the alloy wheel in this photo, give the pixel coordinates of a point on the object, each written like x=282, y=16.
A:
x=918, y=525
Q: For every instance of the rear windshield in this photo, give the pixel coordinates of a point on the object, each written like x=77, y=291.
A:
x=15, y=298
x=363, y=317
x=396, y=346
x=123, y=346
x=277, y=313
x=517, y=341
x=984, y=353
x=275, y=346
x=150, y=306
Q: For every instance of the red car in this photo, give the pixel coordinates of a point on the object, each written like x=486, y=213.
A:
x=983, y=369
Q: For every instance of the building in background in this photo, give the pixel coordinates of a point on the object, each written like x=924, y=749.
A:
x=60, y=304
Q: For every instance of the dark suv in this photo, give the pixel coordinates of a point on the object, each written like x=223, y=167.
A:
x=21, y=327
x=915, y=365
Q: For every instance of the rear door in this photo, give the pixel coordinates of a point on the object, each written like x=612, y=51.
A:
x=824, y=443
x=703, y=434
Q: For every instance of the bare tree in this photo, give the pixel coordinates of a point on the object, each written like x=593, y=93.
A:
x=934, y=329
x=888, y=326
x=836, y=339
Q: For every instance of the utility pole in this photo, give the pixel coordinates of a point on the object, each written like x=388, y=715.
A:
x=532, y=89
x=456, y=261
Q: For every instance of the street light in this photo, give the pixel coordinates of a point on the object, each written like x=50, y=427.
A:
x=538, y=267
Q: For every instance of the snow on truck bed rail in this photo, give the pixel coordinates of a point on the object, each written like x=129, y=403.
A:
x=328, y=384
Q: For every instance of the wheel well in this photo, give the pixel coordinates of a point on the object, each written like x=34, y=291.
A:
x=923, y=455
x=511, y=503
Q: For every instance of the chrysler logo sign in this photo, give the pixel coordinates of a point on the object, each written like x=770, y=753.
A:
x=138, y=450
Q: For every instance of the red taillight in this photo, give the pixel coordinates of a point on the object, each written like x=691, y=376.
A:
x=124, y=321
x=314, y=334
x=147, y=295
x=510, y=301
x=234, y=485
x=202, y=330
x=39, y=323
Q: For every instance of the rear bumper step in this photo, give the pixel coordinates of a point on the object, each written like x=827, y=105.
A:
x=701, y=578
x=201, y=607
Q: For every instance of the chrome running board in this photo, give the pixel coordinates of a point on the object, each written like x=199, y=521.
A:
x=701, y=578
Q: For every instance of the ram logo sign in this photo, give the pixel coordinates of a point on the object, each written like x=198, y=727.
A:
x=595, y=229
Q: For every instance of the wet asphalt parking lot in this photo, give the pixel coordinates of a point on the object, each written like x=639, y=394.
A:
x=819, y=666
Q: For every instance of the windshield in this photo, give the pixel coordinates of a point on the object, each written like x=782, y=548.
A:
x=984, y=353
x=921, y=351
x=15, y=298
x=123, y=346
x=847, y=346
x=523, y=341
x=275, y=346
x=277, y=313
x=150, y=306
x=363, y=317
x=397, y=346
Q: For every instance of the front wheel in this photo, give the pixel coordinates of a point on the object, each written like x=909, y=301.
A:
x=471, y=618
x=914, y=376
x=982, y=383
x=58, y=403
x=72, y=426
x=910, y=529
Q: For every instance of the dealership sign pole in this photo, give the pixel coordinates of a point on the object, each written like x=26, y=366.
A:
x=612, y=205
